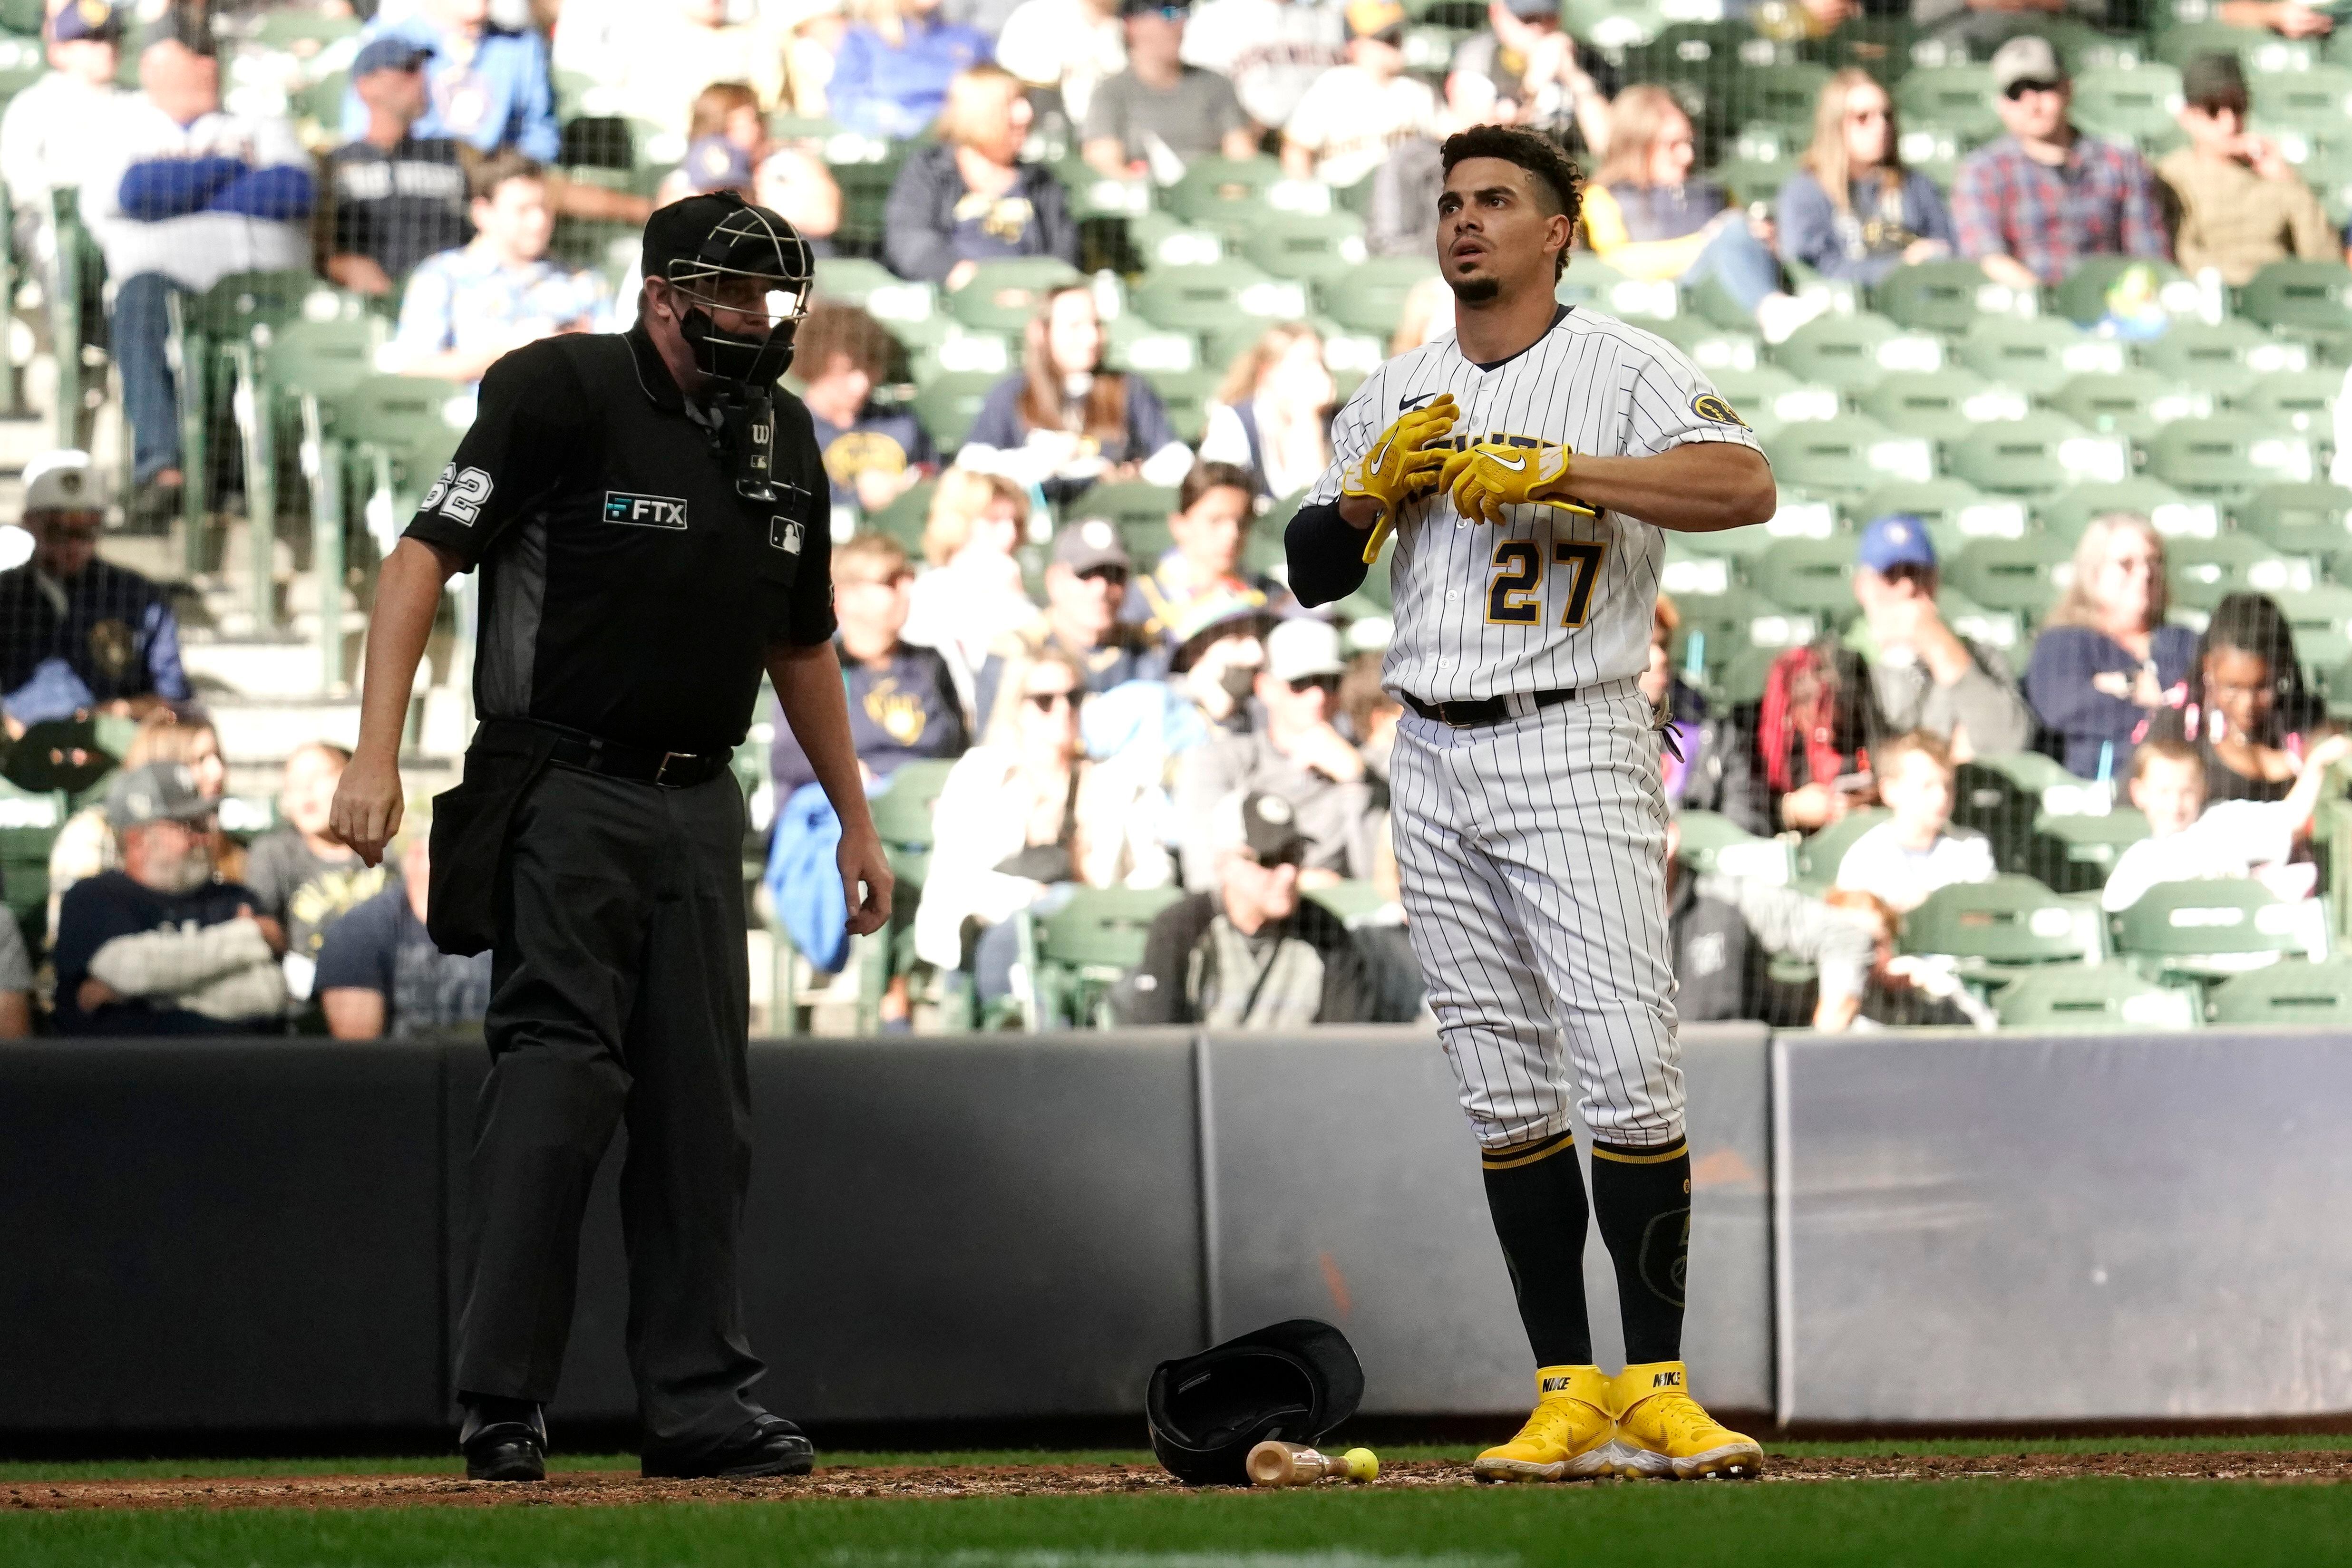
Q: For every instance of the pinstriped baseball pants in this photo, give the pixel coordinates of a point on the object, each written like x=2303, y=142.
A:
x=1532, y=854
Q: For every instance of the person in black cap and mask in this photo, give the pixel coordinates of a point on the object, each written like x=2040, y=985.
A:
x=649, y=515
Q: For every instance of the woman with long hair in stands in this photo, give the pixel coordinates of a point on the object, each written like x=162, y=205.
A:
x=2107, y=663
x=1063, y=422
x=969, y=197
x=86, y=846
x=2248, y=712
x=970, y=595
x=1272, y=415
x=1852, y=210
x=1646, y=216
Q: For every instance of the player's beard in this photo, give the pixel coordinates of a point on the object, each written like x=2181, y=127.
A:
x=1474, y=290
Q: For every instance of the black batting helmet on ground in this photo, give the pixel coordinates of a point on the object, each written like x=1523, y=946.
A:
x=1294, y=1381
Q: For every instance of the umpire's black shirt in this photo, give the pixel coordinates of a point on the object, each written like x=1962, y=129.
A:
x=628, y=591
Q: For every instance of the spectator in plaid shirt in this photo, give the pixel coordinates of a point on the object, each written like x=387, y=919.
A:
x=2028, y=205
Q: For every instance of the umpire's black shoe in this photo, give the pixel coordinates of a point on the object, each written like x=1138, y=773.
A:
x=504, y=1440
x=765, y=1446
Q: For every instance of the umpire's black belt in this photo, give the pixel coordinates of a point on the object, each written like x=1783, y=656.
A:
x=637, y=764
x=1491, y=710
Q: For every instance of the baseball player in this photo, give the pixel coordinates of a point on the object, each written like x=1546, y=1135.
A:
x=1526, y=463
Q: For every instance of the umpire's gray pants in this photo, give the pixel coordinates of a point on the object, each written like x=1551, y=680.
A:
x=619, y=987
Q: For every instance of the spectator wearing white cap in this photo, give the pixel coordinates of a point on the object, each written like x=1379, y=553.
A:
x=53, y=128
x=78, y=634
x=1297, y=753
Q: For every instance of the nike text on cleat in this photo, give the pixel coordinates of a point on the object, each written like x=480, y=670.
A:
x=1566, y=1438
x=1664, y=1433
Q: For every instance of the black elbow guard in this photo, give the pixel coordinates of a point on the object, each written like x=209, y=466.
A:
x=1326, y=556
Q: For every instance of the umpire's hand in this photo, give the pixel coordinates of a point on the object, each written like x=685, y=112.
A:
x=866, y=881
x=367, y=808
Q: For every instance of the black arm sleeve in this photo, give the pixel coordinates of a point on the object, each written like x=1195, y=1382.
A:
x=1326, y=556
x=529, y=425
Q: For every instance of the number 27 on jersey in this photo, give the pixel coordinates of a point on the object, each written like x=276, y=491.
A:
x=1515, y=595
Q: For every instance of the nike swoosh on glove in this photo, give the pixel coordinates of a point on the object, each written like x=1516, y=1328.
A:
x=1397, y=468
x=1492, y=476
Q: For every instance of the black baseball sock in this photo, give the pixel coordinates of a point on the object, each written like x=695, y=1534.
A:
x=1641, y=1200
x=1536, y=1194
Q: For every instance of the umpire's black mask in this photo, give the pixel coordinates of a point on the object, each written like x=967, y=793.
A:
x=742, y=275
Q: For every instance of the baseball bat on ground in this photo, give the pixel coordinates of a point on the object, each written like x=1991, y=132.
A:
x=1278, y=1464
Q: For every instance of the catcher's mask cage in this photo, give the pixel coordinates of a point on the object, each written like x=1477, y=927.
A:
x=744, y=291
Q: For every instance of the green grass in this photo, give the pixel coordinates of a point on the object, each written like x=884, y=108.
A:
x=446, y=1464
x=2113, y=1523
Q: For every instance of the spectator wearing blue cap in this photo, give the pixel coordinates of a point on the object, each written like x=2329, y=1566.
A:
x=1898, y=669
x=398, y=197
x=53, y=129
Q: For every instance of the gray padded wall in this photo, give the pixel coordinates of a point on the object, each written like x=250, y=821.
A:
x=1346, y=1186
x=1995, y=1229
x=219, y=1235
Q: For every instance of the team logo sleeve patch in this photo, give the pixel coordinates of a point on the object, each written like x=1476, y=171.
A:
x=1708, y=407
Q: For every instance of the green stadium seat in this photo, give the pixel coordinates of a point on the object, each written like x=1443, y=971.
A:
x=2067, y=513
x=874, y=290
x=1206, y=298
x=2106, y=997
x=1945, y=297
x=2136, y=403
x=1212, y=189
x=903, y=519
x=2309, y=518
x=2259, y=49
x=1187, y=396
x=1371, y=296
x=1782, y=95
x=2224, y=358
x=2136, y=105
x=2020, y=575
x=2327, y=170
x=1130, y=505
x=1851, y=352
x=948, y=403
x=1005, y=296
x=1818, y=853
x=2299, y=295
x=2226, y=455
x=1959, y=96
x=1712, y=347
x=2090, y=841
x=1162, y=240
x=1131, y=343
x=2039, y=354
x=2036, y=457
x=1714, y=844
x=2302, y=400
x=320, y=356
x=2001, y=629
x=1308, y=245
x=1769, y=397
x=1078, y=952
x=2010, y=920
x=1750, y=180
x=2316, y=102
x=1813, y=576
x=2203, y=571
x=1954, y=511
x=2318, y=993
x=1942, y=405
x=2321, y=619
x=2082, y=296
x=1598, y=285
x=2215, y=926
x=1850, y=456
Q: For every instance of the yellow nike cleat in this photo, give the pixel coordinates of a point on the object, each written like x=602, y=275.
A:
x=1662, y=1431
x=1565, y=1439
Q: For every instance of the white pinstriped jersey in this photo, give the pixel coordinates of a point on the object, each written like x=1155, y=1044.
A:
x=1549, y=598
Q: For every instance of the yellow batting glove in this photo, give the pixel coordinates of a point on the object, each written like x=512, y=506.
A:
x=1397, y=467
x=1492, y=476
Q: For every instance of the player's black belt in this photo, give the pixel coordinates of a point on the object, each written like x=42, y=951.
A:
x=637, y=764
x=1485, y=710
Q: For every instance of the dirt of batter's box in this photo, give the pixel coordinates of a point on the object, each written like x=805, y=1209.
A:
x=577, y=1489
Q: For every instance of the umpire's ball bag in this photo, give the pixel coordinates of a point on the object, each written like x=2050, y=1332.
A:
x=1295, y=1381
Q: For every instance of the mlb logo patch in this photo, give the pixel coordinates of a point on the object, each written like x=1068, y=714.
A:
x=784, y=534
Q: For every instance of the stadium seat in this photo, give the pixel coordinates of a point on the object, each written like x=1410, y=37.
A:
x=1598, y=285
x=1943, y=296
x=2036, y=457
x=2203, y=571
x=1713, y=348
x=2226, y=455
x=2038, y=354
x=1212, y=189
x=1073, y=955
x=2317, y=101
x=2067, y=513
x=1851, y=352
x=1161, y=239
x=1954, y=511
x=2302, y=400
x=949, y=403
x=2136, y=403
x=1309, y=247
x=2086, y=844
x=2009, y=920
x=1814, y=576
x=903, y=519
x=1186, y=394
x=1131, y=343
x=1818, y=853
x=1713, y=843
x=1136, y=508
x=2223, y=358
x=2136, y=105
x=2018, y=575
x=1005, y=296
x=2300, y=520
x=1371, y=296
x=2297, y=294
x=1942, y=405
x=2316, y=993
x=2215, y=926
x=2082, y=296
x=1205, y=298
x=2259, y=49
x=1355, y=901
x=874, y=290
x=1839, y=458
x=2321, y=619
x=1782, y=95
x=1769, y=397
x=2092, y=997
x=1958, y=97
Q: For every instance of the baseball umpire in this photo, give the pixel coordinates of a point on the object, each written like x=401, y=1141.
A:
x=1526, y=462
x=649, y=515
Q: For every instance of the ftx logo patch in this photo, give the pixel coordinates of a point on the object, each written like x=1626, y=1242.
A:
x=645, y=511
